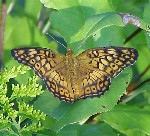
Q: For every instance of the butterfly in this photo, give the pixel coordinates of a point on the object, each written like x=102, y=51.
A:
x=72, y=77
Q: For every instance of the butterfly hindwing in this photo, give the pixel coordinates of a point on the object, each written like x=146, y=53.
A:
x=94, y=83
x=57, y=82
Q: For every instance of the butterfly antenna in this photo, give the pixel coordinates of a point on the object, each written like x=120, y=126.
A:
x=56, y=40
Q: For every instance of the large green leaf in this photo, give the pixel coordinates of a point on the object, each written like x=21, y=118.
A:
x=99, y=6
x=130, y=120
x=100, y=129
x=75, y=28
x=76, y=20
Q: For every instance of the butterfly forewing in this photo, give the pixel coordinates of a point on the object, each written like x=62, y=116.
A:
x=109, y=60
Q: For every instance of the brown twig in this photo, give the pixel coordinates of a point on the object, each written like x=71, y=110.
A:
x=132, y=35
x=3, y=11
x=91, y=119
x=145, y=81
x=133, y=86
x=41, y=18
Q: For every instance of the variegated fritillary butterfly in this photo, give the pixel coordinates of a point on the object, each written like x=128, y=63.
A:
x=73, y=77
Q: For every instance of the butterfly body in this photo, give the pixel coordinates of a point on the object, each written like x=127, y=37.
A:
x=74, y=77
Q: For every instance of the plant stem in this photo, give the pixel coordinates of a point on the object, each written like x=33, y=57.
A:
x=17, y=125
x=3, y=11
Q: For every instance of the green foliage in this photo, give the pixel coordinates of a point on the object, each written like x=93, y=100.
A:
x=139, y=123
x=82, y=24
x=16, y=109
x=100, y=129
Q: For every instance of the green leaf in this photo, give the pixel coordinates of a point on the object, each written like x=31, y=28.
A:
x=130, y=120
x=8, y=74
x=4, y=124
x=99, y=6
x=66, y=113
x=6, y=133
x=146, y=18
x=74, y=21
x=100, y=129
x=76, y=31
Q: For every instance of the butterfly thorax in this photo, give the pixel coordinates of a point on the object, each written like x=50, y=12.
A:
x=73, y=76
